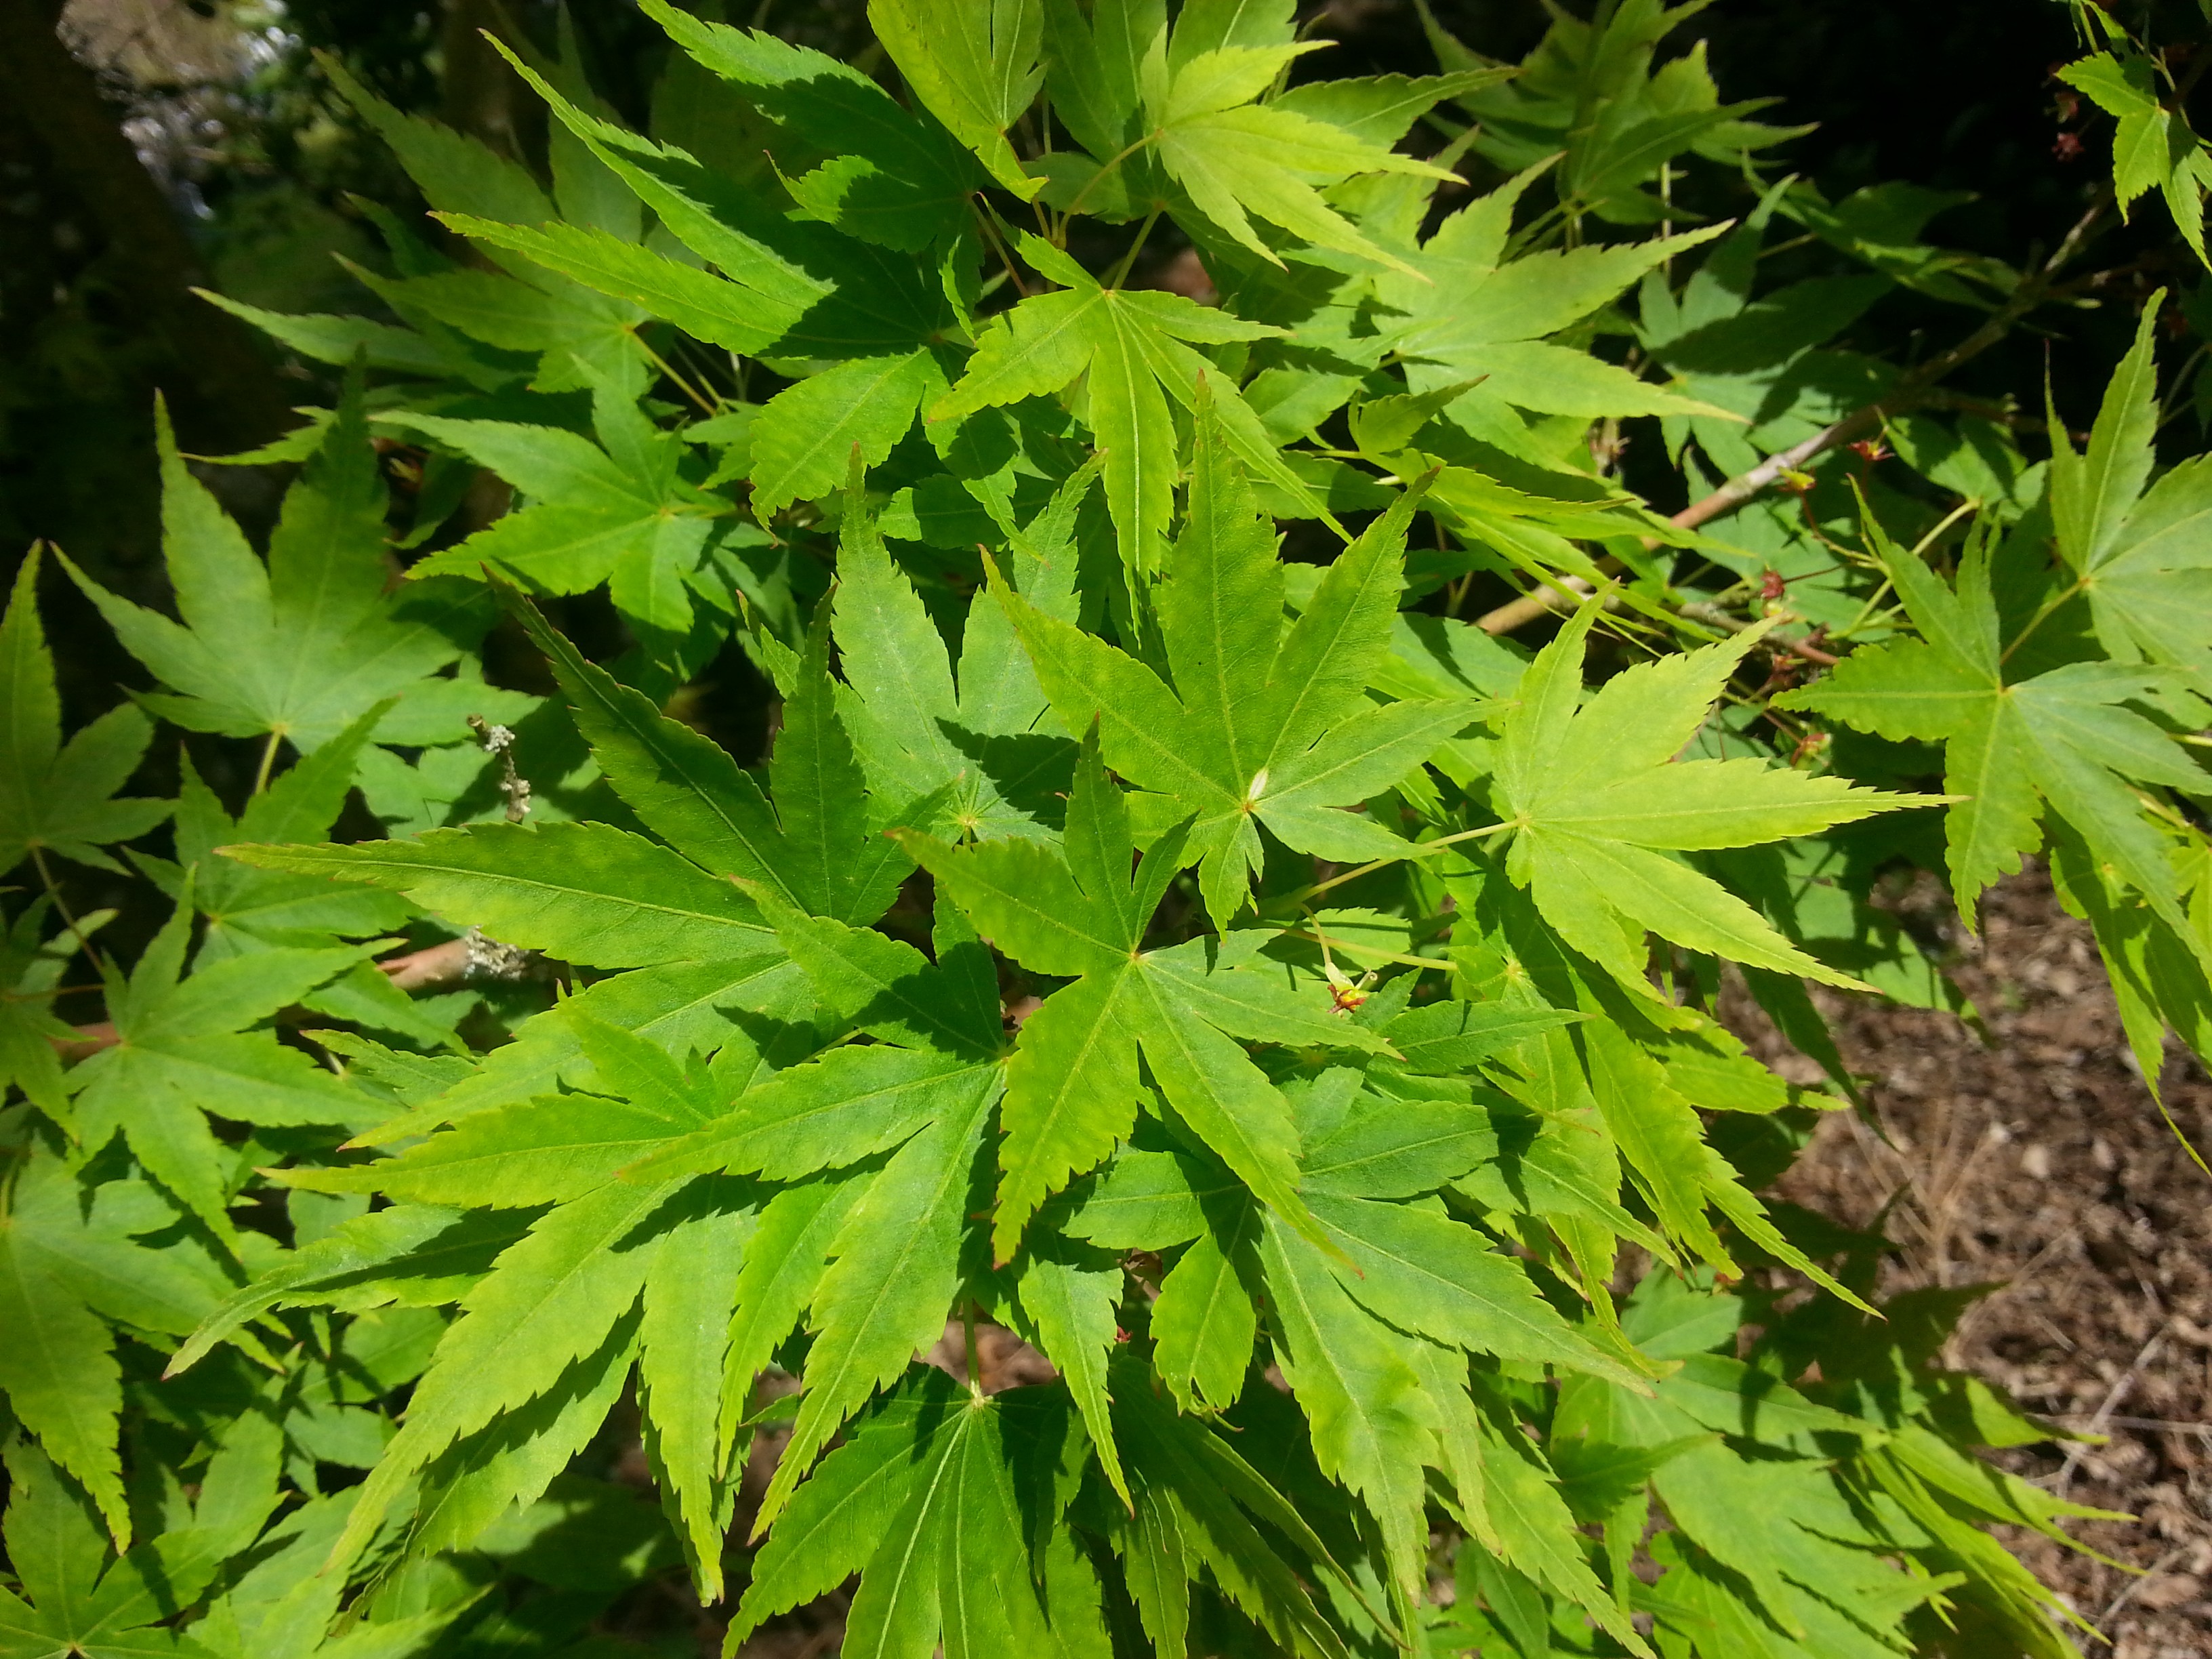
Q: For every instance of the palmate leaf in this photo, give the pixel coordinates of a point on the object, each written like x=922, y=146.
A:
x=247, y=910
x=595, y=894
x=578, y=336
x=2065, y=738
x=1471, y=315
x=798, y=286
x=566, y=1150
x=892, y=178
x=926, y=1504
x=1134, y=348
x=84, y=1599
x=2153, y=146
x=300, y=646
x=974, y=68
x=1263, y=725
x=617, y=511
x=551, y=1299
x=1072, y=1087
x=183, y=1052
x=52, y=796
x=2141, y=557
x=990, y=746
x=814, y=848
x=1594, y=804
x=69, y=1263
x=894, y=1249
x=1237, y=159
x=1176, y=119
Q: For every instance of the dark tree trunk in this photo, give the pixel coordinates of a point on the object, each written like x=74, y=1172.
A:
x=226, y=394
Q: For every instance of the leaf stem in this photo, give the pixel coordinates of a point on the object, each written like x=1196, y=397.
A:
x=998, y=243
x=1325, y=940
x=706, y=403
x=968, y=1330
x=61, y=908
x=1120, y=271
x=1120, y=156
x=1415, y=850
x=268, y=761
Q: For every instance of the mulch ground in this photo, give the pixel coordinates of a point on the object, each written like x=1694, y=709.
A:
x=2037, y=1159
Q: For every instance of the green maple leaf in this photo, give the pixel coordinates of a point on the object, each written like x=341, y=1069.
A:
x=247, y=909
x=988, y=745
x=579, y=335
x=184, y=1051
x=299, y=646
x=618, y=511
x=593, y=893
x=2153, y=146
x=1595, y=802
x=1263, y=725
x=1134, y=349
x=566, y=1292
x=69, y=1264
x=31, y=968
x=806, y=289
x=890, y=177
x=1472, y=315
x=84, y=1597
x=811, y=841
x=2140, y=557
x=2065, y=738
x=1192, y=95
x=920, y=1095
x=54, y=796
x=1072, y=1086
x=933, y=1503
x=974, y=68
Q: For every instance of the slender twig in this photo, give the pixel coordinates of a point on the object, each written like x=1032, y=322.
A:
x=2026, y=296
x=2103, y=1412
x=2128, y=1590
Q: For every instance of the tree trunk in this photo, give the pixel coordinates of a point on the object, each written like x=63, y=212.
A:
x=227, y=395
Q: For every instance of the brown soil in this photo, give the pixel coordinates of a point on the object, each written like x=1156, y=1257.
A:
x=2040, y=1160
